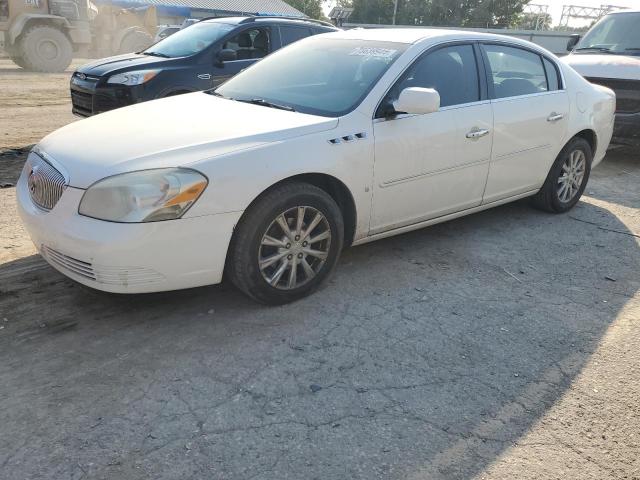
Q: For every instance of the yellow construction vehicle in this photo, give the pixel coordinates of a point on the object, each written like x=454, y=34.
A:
x=44, y=35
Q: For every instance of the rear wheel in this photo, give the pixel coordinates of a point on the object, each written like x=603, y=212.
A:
x=44, y=49
x=567, y=178
x=287, y=244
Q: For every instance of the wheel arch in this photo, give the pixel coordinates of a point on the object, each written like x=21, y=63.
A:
x=590, y=136
x=179, y=90
x=335, y=188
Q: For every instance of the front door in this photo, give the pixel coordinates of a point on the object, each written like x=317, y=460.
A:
x=250, y=45
x=431, y=165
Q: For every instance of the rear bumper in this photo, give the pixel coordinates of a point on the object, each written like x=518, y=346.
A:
x=127, y=258
x=627, y=129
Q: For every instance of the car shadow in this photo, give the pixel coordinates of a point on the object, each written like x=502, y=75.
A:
x=426, y=356
x=11, y=163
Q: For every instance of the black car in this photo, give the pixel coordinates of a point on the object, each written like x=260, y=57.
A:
x=199, y=57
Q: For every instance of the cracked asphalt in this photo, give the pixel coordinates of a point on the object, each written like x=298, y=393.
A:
x=497, y=346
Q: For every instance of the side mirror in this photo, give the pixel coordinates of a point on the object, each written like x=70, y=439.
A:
x=573, y=41
x=417, y=101
x=227, y=55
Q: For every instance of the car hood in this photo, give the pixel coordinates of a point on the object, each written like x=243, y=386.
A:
x=171, y=132
x=605, y=66
x=107, y=65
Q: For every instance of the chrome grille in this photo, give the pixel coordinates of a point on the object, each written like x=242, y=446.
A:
x=46, y=184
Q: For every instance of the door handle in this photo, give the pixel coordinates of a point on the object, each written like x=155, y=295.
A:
x=477, y=133
x=554, y=117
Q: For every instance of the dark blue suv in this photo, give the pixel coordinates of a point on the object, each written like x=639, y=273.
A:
x=199, y=57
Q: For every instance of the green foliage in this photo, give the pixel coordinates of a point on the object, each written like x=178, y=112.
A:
x=457, y=13
x=311, y=8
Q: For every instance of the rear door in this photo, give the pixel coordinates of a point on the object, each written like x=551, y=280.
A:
x=530, y=109
x=293, y=33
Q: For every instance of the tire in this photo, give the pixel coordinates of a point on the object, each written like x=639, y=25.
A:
x=135, y=41
x=45, y=49
x=567, y=178
x=250, y=245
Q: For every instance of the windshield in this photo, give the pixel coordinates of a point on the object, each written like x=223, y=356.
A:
x=618, y=33
x=320, y=76
x=190, y=40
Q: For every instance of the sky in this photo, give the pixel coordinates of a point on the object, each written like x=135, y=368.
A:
x=555, y=6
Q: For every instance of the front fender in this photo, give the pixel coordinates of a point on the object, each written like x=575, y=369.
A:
x=237, y=179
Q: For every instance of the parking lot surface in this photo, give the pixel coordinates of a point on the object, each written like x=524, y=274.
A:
x=501, y=345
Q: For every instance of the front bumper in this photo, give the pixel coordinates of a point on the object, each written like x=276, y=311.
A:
x=90, y=96
x=626, y=130
x=127, y=258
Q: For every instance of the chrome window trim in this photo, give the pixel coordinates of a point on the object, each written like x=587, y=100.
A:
x=529, y=95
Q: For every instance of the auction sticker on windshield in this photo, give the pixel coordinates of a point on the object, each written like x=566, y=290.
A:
x=373, y=52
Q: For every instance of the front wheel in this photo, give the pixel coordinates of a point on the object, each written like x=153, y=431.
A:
x=567, y=178
x=287, y=244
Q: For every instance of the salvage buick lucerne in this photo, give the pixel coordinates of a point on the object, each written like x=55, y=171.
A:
x=336, y=140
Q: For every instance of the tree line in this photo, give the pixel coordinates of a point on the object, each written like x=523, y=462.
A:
x=452, y=13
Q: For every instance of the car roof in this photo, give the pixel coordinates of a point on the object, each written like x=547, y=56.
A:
x=423, y=35
x=627, y=10
x=259, y=19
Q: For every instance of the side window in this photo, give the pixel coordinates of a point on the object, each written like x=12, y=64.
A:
x=293, y=34
x=553, y=77
x=254, y=43
x=452, y=71
x=515, y=71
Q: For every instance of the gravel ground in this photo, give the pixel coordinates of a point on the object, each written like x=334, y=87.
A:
x=503, y=345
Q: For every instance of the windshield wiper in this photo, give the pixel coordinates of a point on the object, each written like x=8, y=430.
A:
x=266, y=103
x=597, y=49
x=214, y=93
x=156, y=54
x=632, y=49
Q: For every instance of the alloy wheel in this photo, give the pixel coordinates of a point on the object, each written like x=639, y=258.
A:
x=571, y=176
x=294, y=247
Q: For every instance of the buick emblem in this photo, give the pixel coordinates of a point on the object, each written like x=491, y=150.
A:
x=82, y=76
x=33, y=179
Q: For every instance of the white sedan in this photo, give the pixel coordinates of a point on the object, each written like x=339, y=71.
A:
x=337, y=140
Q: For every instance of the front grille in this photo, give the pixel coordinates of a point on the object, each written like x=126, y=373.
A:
x=627, y=93
x=82, y=102
x=103, y=103
x=65, y=262
x=46, y=184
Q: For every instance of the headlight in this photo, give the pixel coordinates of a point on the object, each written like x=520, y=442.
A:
x=144, y=196
x=133, y=78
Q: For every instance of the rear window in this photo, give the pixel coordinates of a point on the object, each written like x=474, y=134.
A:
x=552, y=75
x=515, y=71
x=290, y=34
